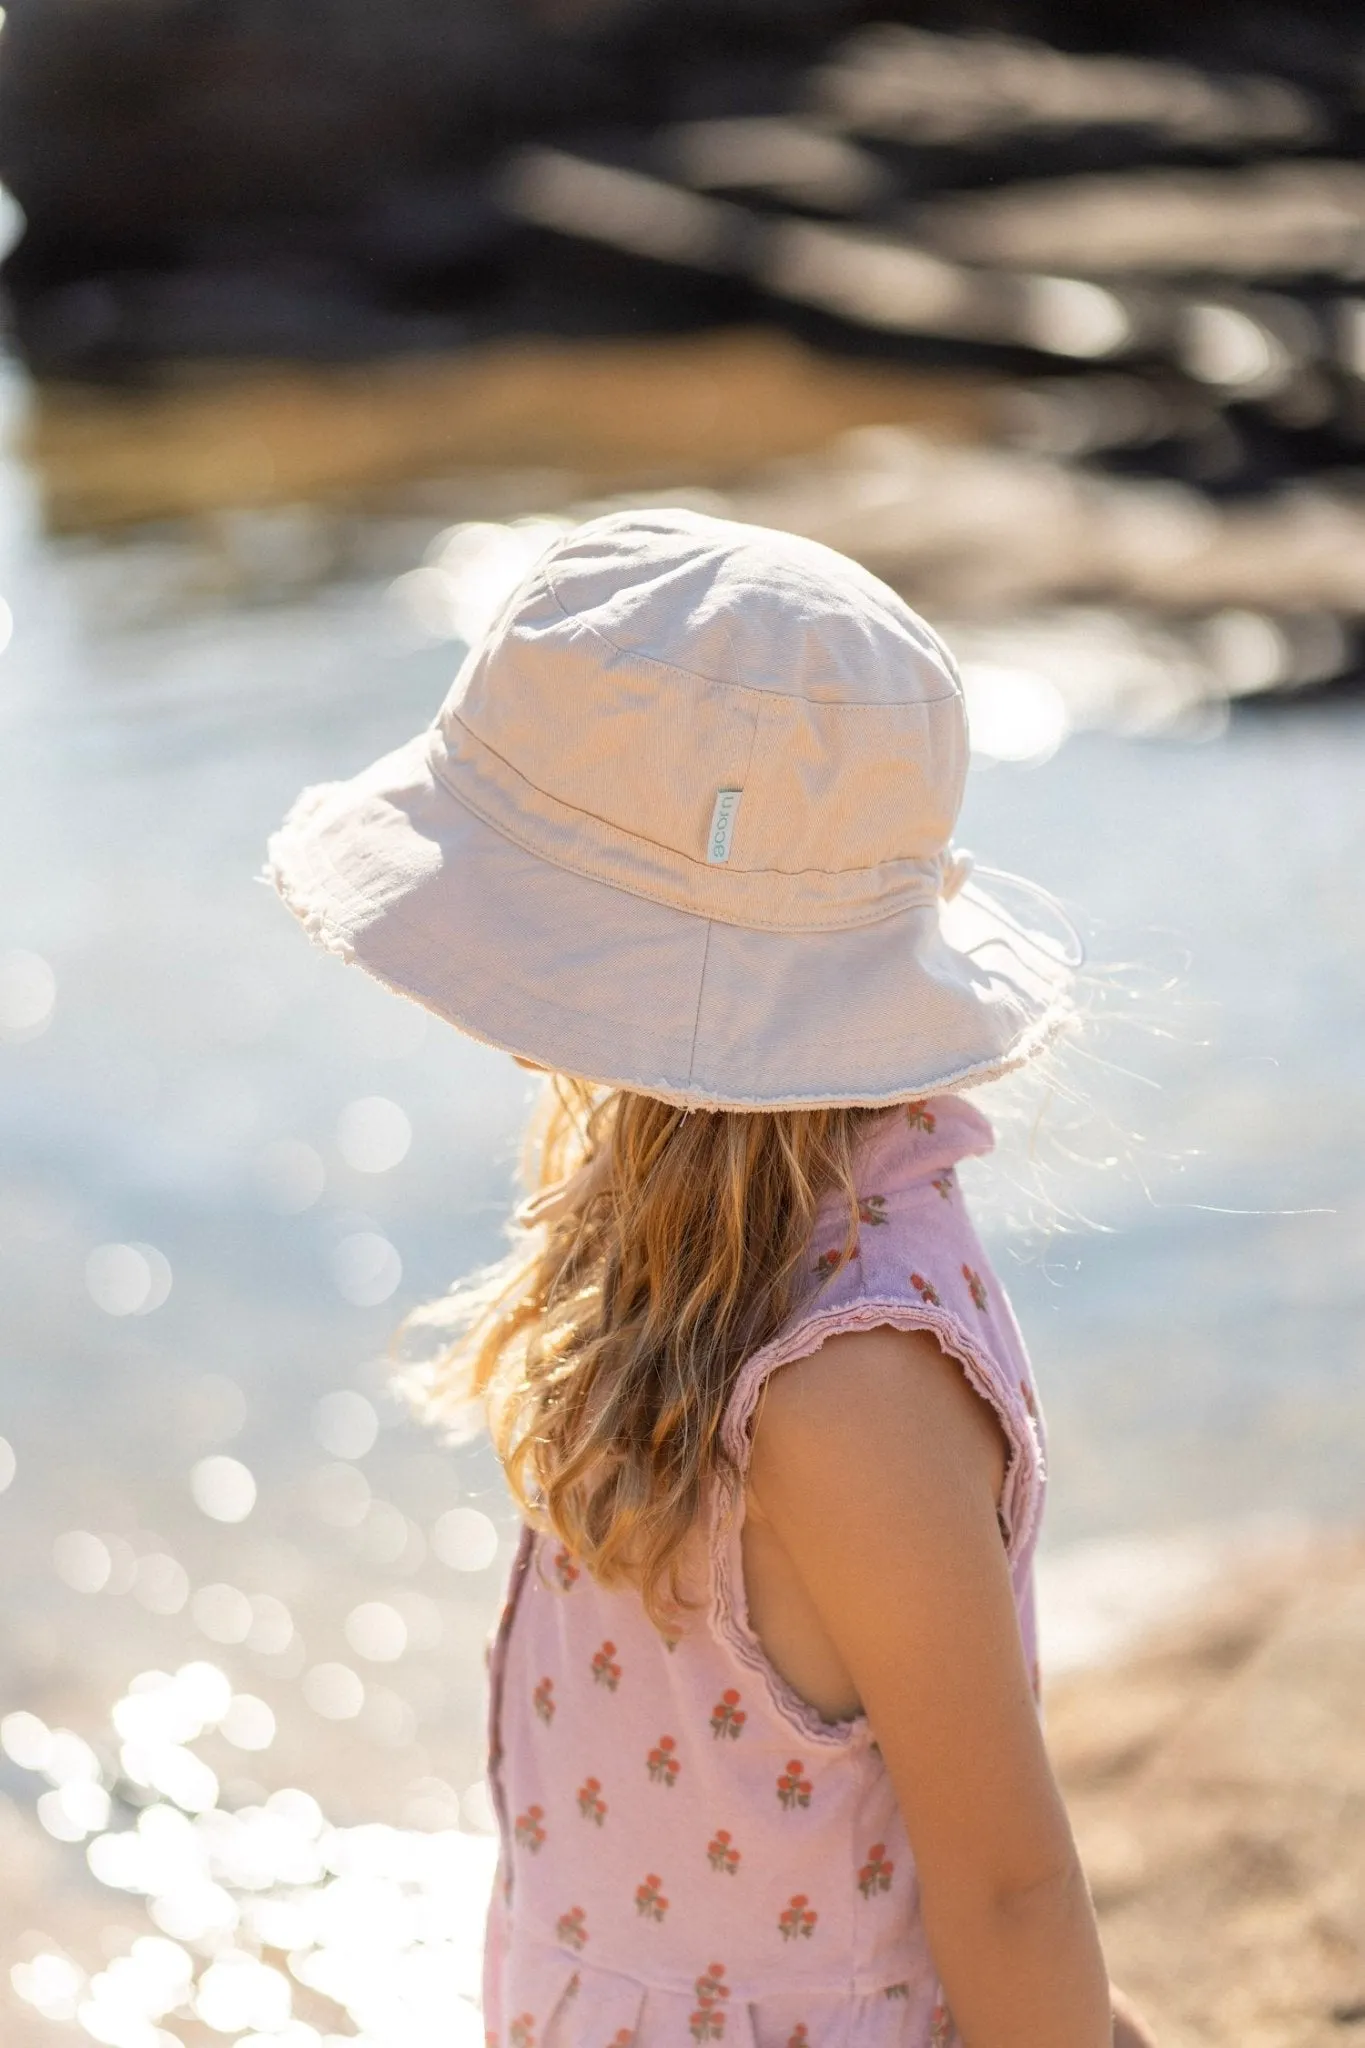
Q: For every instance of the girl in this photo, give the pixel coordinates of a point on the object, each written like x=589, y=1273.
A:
x=764, y=1744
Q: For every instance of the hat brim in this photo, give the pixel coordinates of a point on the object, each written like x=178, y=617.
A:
x=391, y=871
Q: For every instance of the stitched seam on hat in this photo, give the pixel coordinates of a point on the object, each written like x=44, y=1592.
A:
x=706, y=949
x=698, y=675
x=878, y=914
x=701, y=990
x=703, y=867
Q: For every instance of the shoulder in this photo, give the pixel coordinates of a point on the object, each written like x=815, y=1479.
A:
x=880, y=1409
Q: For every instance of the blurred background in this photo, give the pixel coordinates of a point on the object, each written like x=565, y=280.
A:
x=322, y=320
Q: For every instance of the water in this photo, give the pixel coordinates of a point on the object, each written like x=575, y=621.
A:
x=204, y=1091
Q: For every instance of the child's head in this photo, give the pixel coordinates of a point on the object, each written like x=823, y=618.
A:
x=682, y=829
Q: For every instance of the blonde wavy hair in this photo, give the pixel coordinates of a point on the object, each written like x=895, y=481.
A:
x=658, y=1249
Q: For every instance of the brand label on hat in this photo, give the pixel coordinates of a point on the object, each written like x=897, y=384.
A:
x=722, y=826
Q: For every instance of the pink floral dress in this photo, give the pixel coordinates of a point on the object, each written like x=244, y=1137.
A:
x=689, y=1853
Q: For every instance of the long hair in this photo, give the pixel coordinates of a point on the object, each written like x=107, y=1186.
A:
x=658, y=1250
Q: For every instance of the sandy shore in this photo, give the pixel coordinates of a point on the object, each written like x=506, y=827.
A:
x=1216, y=1779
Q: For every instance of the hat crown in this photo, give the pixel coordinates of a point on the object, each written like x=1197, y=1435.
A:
x=655, y=660
x=746, y=606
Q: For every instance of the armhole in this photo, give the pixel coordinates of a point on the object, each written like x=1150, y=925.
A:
x=1020, y=1498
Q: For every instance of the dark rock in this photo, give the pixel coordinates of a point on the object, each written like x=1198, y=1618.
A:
x=327, y=179
x=107, y=327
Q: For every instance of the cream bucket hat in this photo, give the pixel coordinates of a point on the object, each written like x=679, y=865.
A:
x=683, y=825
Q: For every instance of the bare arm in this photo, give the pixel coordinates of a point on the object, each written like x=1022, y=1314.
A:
x=879, y=1471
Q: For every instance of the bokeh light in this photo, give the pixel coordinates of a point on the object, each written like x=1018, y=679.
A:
x=334, y=1691
x=51, y=1983
x=389, y=1720
x=345, y=1424
x=389, y=1537
x=26, y=1740
x=127, y=1279
x=223, y=1488
x=290, y=1176
x=366, y=1268
x=465, y=1539
x=71, y=1812
x=28, y=993
x=373, y=1134
x=1014, y=714
x=82, y=1561
x=223, y=1613
x=161, y=1583
x=248, y=1723
x=377, y=1632
x=1227, y=345
x=272, y=1625
x=1069, y=317
x=468, y=571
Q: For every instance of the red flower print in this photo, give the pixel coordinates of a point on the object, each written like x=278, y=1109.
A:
x=793, y=1786
x=797, y=2037
x=727, y=1716
x=875, y=1875
x=605, y=1670
x=522, y=2032
x=940, y=2027
x=919, y=1117
x=708, y=2021
x=543, y=1700
x=570, y=1927
x=564, y=1568
x=901, y=1990
x=925, y=1289
x=591, y=1804
x=797, y=1917
x=872, y=1209
x=650, y=1903
x=977, y=1288
x=944, y=1183
x=837, y=1255
x=721, y=1853
x=623, y=2037
x=528, y=1829
x=661, y=1763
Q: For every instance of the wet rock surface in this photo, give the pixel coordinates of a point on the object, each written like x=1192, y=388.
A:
x=222, y=177
x=1134, y=244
